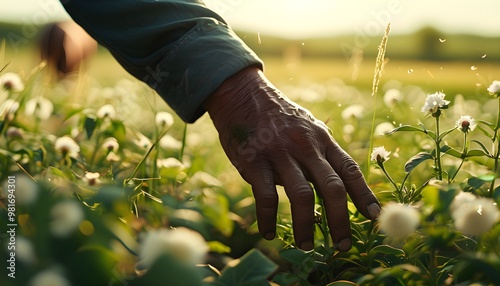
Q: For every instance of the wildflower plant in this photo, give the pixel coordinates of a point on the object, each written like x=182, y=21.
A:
x=458, y=214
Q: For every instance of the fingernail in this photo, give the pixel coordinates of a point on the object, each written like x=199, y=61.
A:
x=269, y=235
x=374, y=210
x=307, y=245
x=344, y=245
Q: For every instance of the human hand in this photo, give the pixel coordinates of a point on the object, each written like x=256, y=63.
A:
x=65, y=45
x=273, y=141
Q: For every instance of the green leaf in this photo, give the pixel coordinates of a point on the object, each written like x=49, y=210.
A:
x=486, y=123
x=482, y=147
x=416, y=160
x=296, y=256
x=219, y=247
x=476, y=153
x=341, y=283
x=253, y=268
x=39, y=154
x=477, y=182
x=407, y=128
x=486, y=132
x=442, y=135
x=286, y=279
x=450, y=151
x=72, y=112
x=215, y=207
x=385, y=249
x=496, y=194
x=119, y=130
x=90, y=124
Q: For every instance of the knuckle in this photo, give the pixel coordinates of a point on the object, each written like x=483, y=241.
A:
x=333, y=182
x=350, y=170
x=302, y=196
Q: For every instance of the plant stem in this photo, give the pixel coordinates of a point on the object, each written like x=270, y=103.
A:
x=433, y=263
x=438, y=151
x=464, y=152
x=497, y=151
x=184, y=134
x=324, y=227
x=398, y=190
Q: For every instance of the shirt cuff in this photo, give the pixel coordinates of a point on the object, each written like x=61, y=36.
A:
x=196, y=66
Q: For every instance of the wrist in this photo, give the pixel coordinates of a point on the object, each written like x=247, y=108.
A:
x=234, y=90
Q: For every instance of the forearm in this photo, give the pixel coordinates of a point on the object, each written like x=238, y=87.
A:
x=182, y=49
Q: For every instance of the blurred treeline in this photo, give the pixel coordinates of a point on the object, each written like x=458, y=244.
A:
x=427, y=44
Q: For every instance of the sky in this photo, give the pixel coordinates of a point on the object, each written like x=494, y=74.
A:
x=312, y=18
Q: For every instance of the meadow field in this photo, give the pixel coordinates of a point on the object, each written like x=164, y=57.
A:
x=97, y=210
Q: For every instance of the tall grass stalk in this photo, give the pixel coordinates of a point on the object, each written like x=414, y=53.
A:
x=379, y=67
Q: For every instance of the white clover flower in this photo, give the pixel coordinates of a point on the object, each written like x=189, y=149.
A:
x=186, y=245
x=39, y=107
x=348, y=129
x=476, y=217
x=9, y=108
x=66, y=217
x=110, y=144
x=11, y=81
x=168, y=142
x=353, y=112
x=380, y=155
x=398, y=220
x=171, y=164
x=112, y=157
x=25, y=251
x=164, y=119
x=67, y=146
x=466, y=123
x=459, y=200
x=26, y=190
x=434, y=102
x=91, y=178
x=49, y=278
x=494, y=87
x=383, y=128
x=14, y=133
x=106, y=111
x=203, y=180
x=392, y=97
x=142, y=141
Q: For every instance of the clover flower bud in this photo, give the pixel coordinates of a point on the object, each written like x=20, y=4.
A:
x=466, y=124
x=380, y=155
x=67, y=146
x=106, y=111
x=11, y=81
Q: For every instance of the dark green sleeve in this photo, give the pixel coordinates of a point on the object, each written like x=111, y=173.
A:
x=181, y=49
